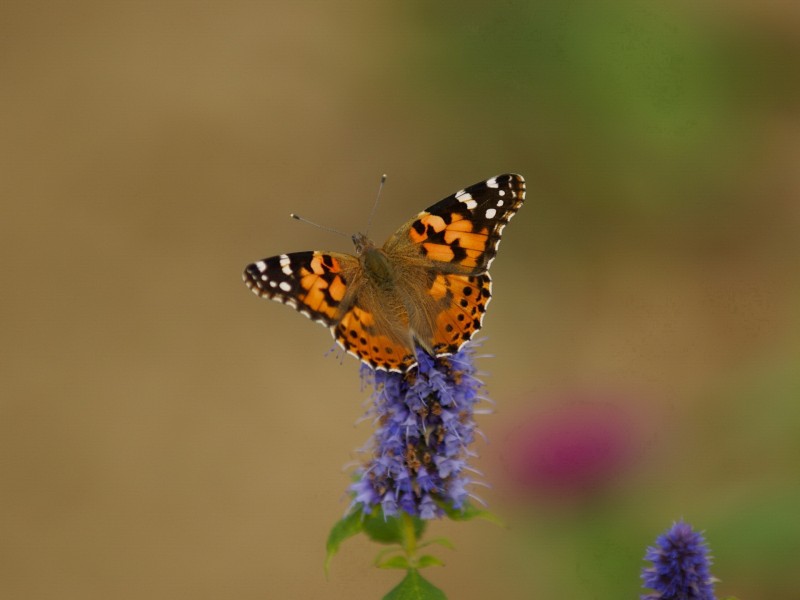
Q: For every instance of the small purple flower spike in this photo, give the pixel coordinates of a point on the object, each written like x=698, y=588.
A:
x=425, y=426
x=680, y=566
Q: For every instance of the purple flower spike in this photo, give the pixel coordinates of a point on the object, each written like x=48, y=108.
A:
x=680, y=566
x=425, y=425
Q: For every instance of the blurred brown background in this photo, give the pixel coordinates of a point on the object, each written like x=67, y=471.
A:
x=164, y=434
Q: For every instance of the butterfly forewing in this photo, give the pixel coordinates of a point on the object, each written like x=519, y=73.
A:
x=313, y=283
x=464, y=230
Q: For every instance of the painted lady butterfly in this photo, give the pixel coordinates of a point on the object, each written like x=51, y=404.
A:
x=428, y=285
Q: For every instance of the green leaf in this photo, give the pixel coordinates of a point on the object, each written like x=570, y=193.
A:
x=441, y=541
x=389, y=530
x=351, y=525
x=396, y=562
x=415, y=587
x=386, y=552
x=469, y=512
x=428, y=560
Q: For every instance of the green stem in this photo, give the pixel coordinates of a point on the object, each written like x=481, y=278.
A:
x=409, y=537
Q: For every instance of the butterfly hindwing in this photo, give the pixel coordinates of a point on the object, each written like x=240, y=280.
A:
x=313, y=283
x=469, y=296
x=360, y=334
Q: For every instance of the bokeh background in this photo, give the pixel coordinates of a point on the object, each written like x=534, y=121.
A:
x=165, y=434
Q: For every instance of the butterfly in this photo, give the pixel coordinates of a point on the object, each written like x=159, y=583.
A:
x=427, y=286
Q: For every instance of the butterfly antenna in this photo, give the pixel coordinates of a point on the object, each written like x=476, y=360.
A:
x=306, y=221
x=375, y=206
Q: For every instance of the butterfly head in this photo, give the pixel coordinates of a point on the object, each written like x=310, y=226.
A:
x=362, y=243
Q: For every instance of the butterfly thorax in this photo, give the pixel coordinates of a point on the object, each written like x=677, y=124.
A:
x=374, y=261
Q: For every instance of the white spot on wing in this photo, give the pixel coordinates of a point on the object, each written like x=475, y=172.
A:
x=465, y=198
x=490, y=213
x=261, y=265
x=492, y=183
x=285, y=264
x=273, y=284
x=502, y=193
x=285, y=286
x=500, y=203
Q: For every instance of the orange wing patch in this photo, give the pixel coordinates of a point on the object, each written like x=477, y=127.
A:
x=464, y=233
x=425, y=226
x=356, y=334
x=469, y=295
x=452, y=238
x=440, y=252
x=322, y=288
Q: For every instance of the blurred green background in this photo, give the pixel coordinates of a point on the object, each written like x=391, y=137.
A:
x=164, y=434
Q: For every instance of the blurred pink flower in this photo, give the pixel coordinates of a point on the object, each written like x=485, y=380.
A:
x=575, y=449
